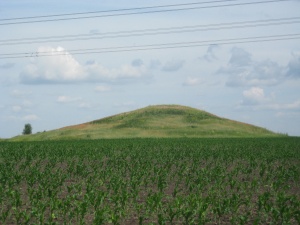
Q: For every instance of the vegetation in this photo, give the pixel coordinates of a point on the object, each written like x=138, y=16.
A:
x=151, y=181
x=155, y=121
x=27, y=129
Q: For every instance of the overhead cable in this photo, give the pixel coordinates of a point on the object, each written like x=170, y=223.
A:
x=157, y=31
x=142, y=12
x=117, y=10
x=153, y=46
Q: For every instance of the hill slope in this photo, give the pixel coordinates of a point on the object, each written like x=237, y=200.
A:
x=155, y=121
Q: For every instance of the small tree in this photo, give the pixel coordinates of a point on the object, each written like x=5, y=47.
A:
x=27, y=129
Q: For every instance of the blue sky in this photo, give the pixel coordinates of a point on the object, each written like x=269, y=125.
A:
x=257, y=83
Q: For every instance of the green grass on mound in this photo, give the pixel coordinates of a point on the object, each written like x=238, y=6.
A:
x=163, y=121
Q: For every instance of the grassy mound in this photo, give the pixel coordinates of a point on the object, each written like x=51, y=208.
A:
x=162, y=121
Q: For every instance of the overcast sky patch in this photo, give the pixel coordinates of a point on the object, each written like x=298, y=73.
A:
x=102, y=88
x=293, y=69
x=258, y=77
x=7, y=65
x=30, y=117
x=173, y=65
x=67, y=99
x=192, y=81
x=210, y=54
x=242, y=70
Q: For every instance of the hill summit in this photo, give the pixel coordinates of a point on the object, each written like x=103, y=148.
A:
x=160, y=121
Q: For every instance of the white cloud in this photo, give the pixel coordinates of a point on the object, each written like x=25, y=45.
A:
x=30, y=117
x=102, y=88
x=67, y=99
x=53, y=69
x=66, y=69
x=254, y=96
x=192, y=81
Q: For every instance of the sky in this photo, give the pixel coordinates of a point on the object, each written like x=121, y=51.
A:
x=252, y=82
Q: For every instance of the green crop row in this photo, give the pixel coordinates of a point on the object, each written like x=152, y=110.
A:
x=151, y=181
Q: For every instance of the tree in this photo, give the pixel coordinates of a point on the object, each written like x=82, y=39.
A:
x=27, y=129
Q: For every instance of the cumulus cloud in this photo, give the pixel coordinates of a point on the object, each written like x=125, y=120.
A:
x=53, y=69
x=173, y=65
x=254, y=96
x=65, y=68
x=242, y=70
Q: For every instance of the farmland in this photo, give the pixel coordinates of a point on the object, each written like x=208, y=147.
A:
x=151, y=181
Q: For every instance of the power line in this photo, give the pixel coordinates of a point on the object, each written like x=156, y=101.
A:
x=157, y=31
x=144, y=12
x=154, y=46
x=116, y=10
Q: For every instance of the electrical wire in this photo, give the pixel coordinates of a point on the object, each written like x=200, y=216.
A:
x=143, y=12
x=117, y=10
x=153, y=46
x=157, y=31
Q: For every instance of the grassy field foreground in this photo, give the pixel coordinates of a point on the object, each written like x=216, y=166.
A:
x=151, y=181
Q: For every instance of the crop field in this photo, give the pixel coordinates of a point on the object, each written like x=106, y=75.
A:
x=151, y=181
